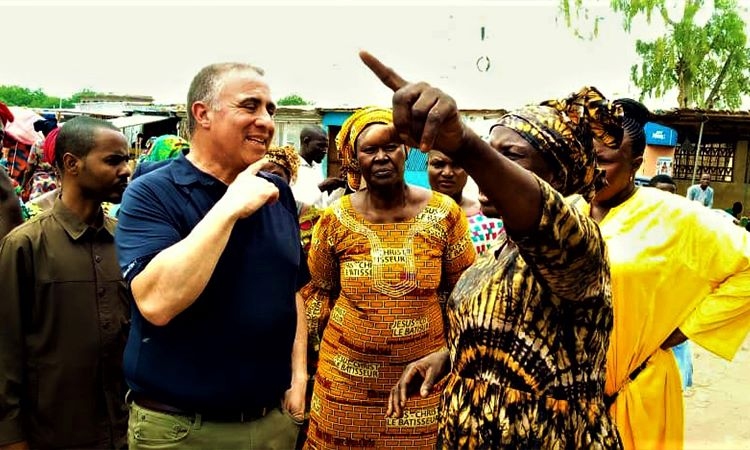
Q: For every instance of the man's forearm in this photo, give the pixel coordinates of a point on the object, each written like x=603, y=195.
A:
x=175, y=278
x=299, y=351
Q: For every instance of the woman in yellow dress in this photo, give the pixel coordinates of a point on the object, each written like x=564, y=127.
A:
x=678, y=271
x=379, y=261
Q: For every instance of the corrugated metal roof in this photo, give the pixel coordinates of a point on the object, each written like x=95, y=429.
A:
x=133, y=121
x=707, y=113
x=722, y=124
x=476, y=111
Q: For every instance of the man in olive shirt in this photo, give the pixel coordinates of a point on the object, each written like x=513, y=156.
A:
x=64, y=306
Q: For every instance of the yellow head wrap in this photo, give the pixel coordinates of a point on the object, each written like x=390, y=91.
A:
x=287, y=157
x=347, y=138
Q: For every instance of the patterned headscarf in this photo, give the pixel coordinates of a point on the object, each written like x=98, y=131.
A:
x=166, y=147
x=564, y=131
x=347, y=138
x=287, y=157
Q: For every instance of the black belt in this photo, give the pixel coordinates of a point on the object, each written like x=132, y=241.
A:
x=245, y=415
x=610, y=399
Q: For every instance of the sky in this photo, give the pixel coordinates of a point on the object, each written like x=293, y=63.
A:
x=310, y=48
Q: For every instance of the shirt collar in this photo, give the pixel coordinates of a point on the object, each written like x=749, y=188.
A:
x=73, y=225
x=185, y=173
x=304, y=163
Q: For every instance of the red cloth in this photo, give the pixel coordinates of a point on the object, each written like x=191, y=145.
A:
x=5, y=114
x=49, y=146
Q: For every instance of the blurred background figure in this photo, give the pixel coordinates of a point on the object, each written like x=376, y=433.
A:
x=161, y=151
x=702, y=192
x=284, y=162
x=664, y=183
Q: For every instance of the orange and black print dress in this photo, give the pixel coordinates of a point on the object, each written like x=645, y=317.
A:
x=529, y=328
x=373, y=306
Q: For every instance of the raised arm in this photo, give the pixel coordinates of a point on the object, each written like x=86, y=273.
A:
x=567, y=251
x=427, y=118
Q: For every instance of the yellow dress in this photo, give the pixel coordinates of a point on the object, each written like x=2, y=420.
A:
x=374, y=305
x=674, y=264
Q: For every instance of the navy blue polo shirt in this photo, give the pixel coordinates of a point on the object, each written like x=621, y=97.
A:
x=231, y=349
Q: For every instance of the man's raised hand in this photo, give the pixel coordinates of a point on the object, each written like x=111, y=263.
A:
x=424, y=116
x=249, y=192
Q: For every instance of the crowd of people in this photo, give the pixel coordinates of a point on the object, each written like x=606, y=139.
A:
x=225, y=294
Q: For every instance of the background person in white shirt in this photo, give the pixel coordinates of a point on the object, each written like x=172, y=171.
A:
x=311, y=187
x=702, y=192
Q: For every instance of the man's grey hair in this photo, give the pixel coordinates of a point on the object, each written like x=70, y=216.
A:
x=207, y=84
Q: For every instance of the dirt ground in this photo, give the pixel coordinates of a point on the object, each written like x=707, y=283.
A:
x=717, y=407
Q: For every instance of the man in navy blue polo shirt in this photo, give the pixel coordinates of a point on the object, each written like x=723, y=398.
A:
x=210, y=250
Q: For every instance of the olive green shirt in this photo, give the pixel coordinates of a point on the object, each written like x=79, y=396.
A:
x=64, y=311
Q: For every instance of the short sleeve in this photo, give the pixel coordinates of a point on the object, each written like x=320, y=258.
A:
x=320, y=293
x=566, y=252
x=144, y=229
x=287, y=199
x=459, y=253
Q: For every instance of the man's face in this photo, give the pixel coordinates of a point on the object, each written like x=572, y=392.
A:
x=241, y=127
x=318, y=147
x=705, y=180
x=103, y=173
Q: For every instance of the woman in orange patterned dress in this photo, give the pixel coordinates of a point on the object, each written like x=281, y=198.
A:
x=380, y=259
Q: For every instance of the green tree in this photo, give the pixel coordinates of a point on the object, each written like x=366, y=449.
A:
x=77, y=96
x=709, y=65
x=22, y=96
x=292, y=100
